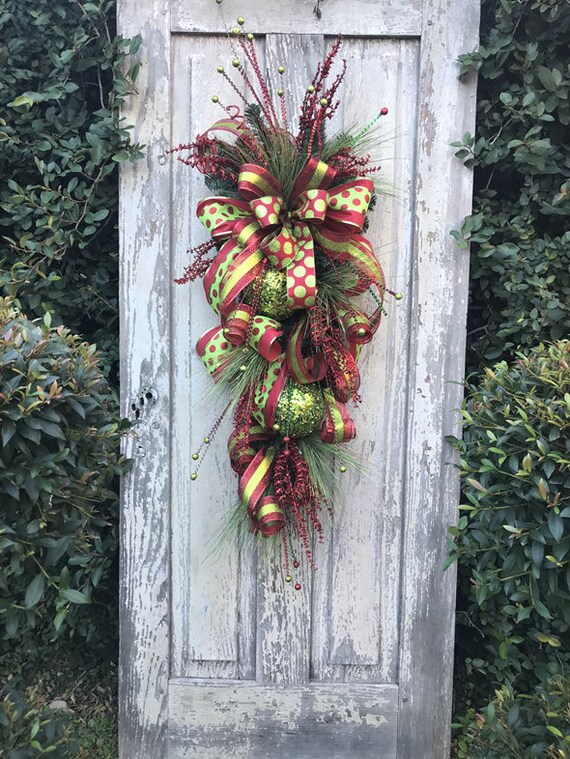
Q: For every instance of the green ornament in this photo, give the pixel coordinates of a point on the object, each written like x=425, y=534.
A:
x=300, y=409
x=271, y=294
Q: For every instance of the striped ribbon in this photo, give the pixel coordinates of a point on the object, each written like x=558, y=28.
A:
x=216, y=350
x=259, y=224
x=302, y=369
x=337, y=427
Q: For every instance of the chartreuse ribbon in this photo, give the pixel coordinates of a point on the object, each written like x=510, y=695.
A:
x=261, y=223
x=216, y=350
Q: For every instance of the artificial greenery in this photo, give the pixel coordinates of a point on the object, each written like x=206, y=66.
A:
x=59, y=456
x=63, y=77
x=520, y=244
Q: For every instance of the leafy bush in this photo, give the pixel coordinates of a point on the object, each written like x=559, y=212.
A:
x=28, y=731
x=513, y=540
x=520, y=244
x=63, y=78
x=60, y=438
x=519, y=726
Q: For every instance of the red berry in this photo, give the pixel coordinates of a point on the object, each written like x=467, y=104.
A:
x=297, y=586
x=295, y=564
x=384, y=111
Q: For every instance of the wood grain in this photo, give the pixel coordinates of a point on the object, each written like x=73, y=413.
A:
x=437, y=349
x=360, y=658
x=299, y=722
x=369, y=18
x=204, y=581
x=145, y=357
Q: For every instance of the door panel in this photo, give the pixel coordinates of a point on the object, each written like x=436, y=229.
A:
x=299, y=722
x=219, y=656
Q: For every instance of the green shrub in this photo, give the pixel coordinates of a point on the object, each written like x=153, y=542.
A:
x=59, y=455
x=513, y=540
x=63, y=78
x=520, y=244
x=28, y=731
x=519, y=726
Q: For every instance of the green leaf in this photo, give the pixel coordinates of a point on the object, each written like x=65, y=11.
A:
x=20, y=101
x=546, y=78
x=74, y=596
x=35, y=591
x=8, y=430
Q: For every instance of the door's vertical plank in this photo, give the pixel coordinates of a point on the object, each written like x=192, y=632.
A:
x=380, y=73
x=204, y=579
x=439, y=302
x=145, y=353
x=284, y=614
x=364, y=606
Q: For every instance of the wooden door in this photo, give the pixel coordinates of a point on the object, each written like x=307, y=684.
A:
x=219, y=657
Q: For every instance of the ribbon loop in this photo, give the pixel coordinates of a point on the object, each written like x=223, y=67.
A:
x=267, y=209
x=302, y=369
x=337, y=427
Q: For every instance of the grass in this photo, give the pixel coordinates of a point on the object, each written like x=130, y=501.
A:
x=88, y=688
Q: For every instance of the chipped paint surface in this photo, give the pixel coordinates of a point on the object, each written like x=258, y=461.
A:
x=337, y=721
x=368, y=18
x=219, y=657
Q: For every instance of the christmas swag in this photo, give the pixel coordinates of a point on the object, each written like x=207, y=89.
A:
x=288, y=279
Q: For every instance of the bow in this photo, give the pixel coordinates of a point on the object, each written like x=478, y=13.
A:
x=263, y=224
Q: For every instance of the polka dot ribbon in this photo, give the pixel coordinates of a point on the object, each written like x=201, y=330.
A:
x=216, y=350
x=261, y=223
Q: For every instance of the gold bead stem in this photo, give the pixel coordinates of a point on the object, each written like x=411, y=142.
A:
x=199, y=455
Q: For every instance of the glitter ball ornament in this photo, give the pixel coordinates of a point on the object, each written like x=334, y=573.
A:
x=300, y=409
x=271, y=294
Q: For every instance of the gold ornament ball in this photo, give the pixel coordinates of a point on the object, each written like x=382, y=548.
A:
x=241, y=20
x=195, y=456
x=215, y=98
x=281, y=69
x=220, y=69
x=272, y=294
x=324, y=102
x=310, y=88
x=398, y=296
x=250, y=36
x=235, y=63
x=342, y=468
x=300, y=409
x=280, y=93
x=193, y=476
x=288, y=578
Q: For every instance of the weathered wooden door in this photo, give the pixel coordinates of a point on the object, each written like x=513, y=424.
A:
x=219, y=657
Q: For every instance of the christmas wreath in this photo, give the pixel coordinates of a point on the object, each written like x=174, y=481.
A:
x=287, y=271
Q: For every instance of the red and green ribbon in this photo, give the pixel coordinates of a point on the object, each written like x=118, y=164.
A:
x=262, y=224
